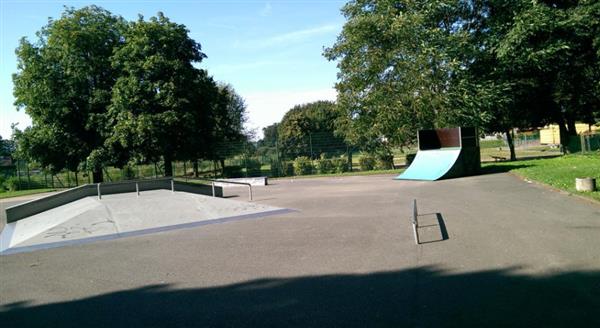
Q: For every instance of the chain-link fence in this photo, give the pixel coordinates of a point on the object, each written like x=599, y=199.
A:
x=584, y=143
x=315, y=154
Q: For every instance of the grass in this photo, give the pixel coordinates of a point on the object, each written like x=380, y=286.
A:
x=533, y=151
x=9, y=194
x=558, y=172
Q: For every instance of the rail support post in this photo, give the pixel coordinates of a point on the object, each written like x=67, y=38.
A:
x=172, y=185
x=98, y=188
x=137, y=189
x=213, y=188
x=250, y=191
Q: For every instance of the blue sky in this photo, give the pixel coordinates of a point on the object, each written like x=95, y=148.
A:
x=270, y=51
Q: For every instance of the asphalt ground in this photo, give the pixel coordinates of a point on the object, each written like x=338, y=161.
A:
x=495, y=251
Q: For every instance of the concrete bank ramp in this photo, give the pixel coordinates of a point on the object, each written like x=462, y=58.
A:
x=121, y=215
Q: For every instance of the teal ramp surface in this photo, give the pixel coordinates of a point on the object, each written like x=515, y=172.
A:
x=431, y=164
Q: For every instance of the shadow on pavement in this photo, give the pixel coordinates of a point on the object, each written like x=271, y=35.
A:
x=432, y=222
x=421, y=297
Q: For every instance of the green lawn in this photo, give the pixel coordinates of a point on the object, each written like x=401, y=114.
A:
x=9, y=194
x=558, y=172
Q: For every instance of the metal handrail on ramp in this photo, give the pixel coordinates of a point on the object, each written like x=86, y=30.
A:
x=225, y=181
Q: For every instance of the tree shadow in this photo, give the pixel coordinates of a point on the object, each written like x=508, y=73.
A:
x=507, y=167
x=421, y=297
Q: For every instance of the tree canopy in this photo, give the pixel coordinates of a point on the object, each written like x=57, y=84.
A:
x=104, y=91
x=152, y=99
x=64, y=84
x=309, y=130
x=494, y=64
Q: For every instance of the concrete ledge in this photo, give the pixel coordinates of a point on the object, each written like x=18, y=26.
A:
x=21, y=211
x=254, y=181
x=197, y=188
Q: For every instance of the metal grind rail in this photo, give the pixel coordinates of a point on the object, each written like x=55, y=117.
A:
x=133, y=182
x=225, y=181
x=415, y=222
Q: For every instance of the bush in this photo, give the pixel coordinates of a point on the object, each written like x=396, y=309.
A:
x=12, y=184
x=325, y=165
x=340, y=164
x=303, y=166
x=253, y=168
x=385, y=162
x=367, y=162
x=128, y=173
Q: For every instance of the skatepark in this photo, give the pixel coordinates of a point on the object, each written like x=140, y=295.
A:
x=495, y=250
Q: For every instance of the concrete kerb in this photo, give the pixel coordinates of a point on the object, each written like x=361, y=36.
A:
x=554, y=189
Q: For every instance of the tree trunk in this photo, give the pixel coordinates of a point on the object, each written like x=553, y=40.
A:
x=349, y=151
x=222, y=162
x=97, y=175
x=571, y=128
x=511, y=144
x=564, y=137
x=168, y=166
x=196, y=168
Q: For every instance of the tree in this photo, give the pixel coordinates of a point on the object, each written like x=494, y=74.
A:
x=485, y=86
x=229, y=137
x=64, y=83
x=309, y=130
x=7, y=147
x=199, y=131
x=555, y=46
x=496, y=64
x=269, y=136
x=152, y=98
x=397, y=62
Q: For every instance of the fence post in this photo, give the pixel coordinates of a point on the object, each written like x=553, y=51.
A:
x=213, y=188
x=19, y=174
x=99, y=194
x=250, y=191
x=137, y=189
x=310, y=141
x=172, y=185
x=28, y=176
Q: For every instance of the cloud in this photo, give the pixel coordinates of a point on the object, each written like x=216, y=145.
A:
x=268, y=107
x=290, y=37
x=266, y=10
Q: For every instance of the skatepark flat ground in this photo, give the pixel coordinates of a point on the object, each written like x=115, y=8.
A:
x=504, y=252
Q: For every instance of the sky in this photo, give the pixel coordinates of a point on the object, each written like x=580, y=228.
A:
x=269, y=51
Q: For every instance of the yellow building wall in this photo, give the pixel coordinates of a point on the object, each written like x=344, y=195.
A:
x=551, y=134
